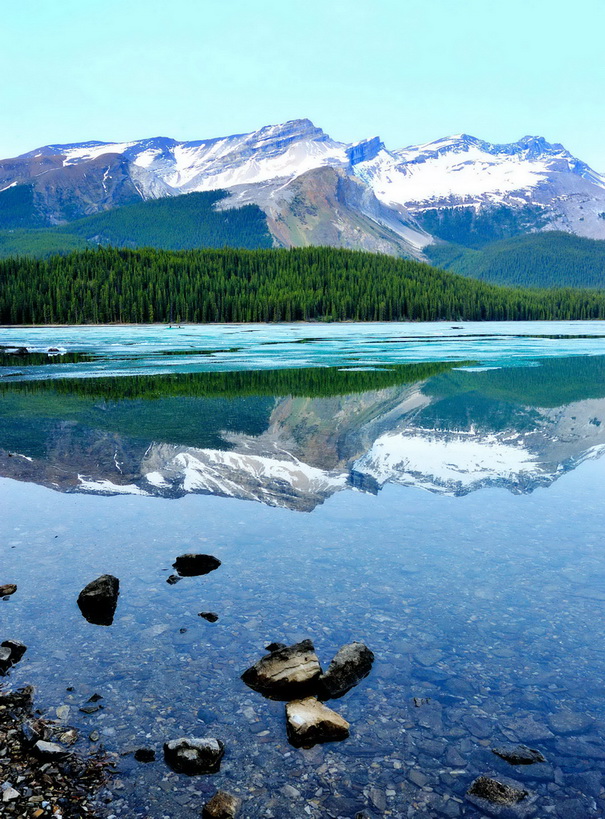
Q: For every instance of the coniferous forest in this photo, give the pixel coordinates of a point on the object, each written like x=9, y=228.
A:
x=229, y=285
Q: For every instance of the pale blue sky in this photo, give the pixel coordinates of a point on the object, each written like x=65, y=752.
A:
x=407, y=70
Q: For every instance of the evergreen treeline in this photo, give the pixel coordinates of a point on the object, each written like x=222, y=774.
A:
x=549, y=259
x=109, y=285
x=172, y=223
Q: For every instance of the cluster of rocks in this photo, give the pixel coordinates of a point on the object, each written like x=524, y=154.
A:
x=294, y=673
x=99, y=599
x=40, y=775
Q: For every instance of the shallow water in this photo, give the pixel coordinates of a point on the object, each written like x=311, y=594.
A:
x=483, y=594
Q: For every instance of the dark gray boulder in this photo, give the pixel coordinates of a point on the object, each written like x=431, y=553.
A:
x=7, y=589
x=287, y=673
x=194, y=756
x=518, y=754
x=98, y=600
x=192, y=565
x=351, y=664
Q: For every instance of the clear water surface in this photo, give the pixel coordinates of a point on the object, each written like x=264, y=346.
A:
x=435, y=492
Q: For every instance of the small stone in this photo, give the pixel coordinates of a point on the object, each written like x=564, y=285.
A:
x=193, y=565
x=94, y=736
x=90, y=709
x=9, y=794
x=7, y=589
x=285, y=673
x=223, y=805
x=49, y=750
x=98, y=600
x=144, y=755
x=173, y=579
x=518, y=754
x=310, y=721
x=351, y=664
x=209, y=615
x=495, y=791
x=63, y=712
x=192, y=756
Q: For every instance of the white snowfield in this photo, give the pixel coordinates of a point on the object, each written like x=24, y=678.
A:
x=451, y=171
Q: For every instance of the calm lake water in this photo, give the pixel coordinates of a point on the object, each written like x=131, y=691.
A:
x=434, y=491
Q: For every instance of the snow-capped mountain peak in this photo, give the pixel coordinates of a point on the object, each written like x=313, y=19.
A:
x=553, y=188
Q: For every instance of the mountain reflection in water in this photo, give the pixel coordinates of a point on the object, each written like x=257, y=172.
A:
x=292, y=438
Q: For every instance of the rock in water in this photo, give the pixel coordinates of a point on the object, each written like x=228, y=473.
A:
x=351, y=664
x=144, y=755
x=493, y=790
x=99, y=599
x=310, y=721
x=7, y=590
x=11, y=651
x=192, y=756
x=209, y=615
x=518, y=754
x=286, y=673
x=195, y=565
x=223, y=805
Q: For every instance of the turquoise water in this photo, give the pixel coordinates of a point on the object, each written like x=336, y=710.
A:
x=442, y=501
x=202, y=348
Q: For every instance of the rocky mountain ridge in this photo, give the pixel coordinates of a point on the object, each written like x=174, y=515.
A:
x=316, y=190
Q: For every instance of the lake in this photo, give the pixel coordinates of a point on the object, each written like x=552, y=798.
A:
x=435, y=491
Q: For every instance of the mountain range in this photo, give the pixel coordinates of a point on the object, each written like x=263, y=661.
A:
x=314, y=190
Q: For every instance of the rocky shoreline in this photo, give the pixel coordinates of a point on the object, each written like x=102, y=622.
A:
x=40, y=774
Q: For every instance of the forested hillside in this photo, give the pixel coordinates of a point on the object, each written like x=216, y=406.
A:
x=110, y=285
x=550, y=259
x=172, y=223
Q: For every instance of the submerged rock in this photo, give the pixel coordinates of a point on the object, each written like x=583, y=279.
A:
x=7, y=589
x=193, y=756
x=567, y=723
x=351, y=664
x=285, y=673
x=11, y=651
x=223, y=805
x=144, y=755
x=518, y=754
x=172, y=579
x=98, y=600
x=309, y=721
x=192, y=565
x=501, y=797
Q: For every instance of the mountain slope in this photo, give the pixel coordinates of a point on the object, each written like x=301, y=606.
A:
x=171, y=223
x=551, y=259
